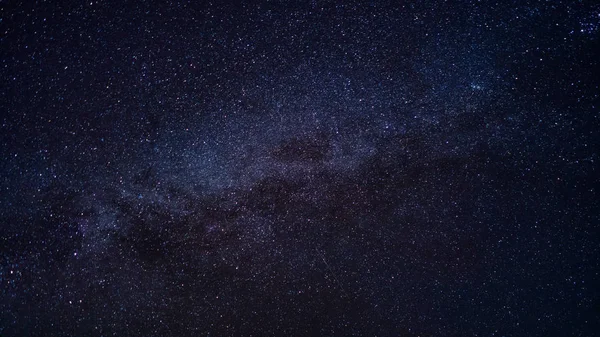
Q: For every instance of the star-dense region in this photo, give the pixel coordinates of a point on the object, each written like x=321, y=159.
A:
x=299, y=168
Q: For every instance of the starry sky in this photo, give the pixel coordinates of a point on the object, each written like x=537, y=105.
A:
x=299, y=168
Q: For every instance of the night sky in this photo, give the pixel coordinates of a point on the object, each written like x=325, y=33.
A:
x=299, y=168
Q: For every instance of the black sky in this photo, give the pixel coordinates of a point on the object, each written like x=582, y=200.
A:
x=350, y=168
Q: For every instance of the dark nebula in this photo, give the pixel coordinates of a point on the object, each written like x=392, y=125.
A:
x=299, y=168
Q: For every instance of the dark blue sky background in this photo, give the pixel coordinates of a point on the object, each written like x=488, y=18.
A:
x=309, y=168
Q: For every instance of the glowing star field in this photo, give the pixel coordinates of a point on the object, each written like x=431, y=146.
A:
x=299, y=168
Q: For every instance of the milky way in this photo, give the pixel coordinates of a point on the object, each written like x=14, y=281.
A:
x=294, y=169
